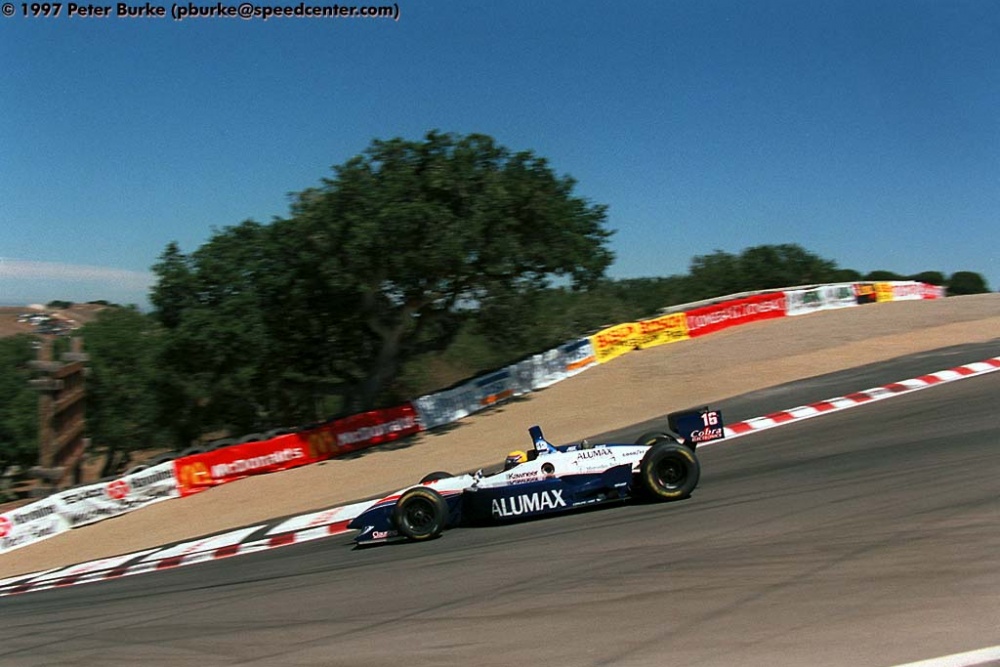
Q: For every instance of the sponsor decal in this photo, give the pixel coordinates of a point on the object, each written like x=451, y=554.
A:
x=593, y=453
x=117, y=490
x=377, y=431
x=29, y=535
x=144, y=479
x=242, y=466
x=5, y=526
x=522, y=477
x=665, y=329
x=494, y=388
x=384, y=534
x=32, y=512
x=87, y=493
x=704, y=435
x=528, y=503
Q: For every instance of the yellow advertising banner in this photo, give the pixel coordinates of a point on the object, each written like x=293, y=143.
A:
x=615, y=341
x=666, y=329
x=883, y=292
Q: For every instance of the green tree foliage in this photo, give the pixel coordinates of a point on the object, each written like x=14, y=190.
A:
x=883, y=276
x=929, y=277
x=226, y=319
x=18, y=404
x=966, y=282
x=757, y=268
x=123, y=413
x=410, y=232
x=384, y=262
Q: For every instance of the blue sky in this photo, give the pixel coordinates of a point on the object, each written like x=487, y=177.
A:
x=867, y=132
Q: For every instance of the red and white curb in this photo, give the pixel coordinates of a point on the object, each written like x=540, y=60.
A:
x=333, y=521
x=858, y=398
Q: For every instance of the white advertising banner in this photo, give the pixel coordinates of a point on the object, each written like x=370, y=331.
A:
x=29, y=524
x=804, y=301
x=448, y=406
x=908, y=290
x=86, y=504
x=825, y=297
x=839, y=296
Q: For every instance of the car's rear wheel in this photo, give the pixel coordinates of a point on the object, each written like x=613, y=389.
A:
x=653, y=437
x=421, y=513
x=668, y=471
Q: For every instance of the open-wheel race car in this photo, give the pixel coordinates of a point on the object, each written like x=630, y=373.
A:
x=659, y=466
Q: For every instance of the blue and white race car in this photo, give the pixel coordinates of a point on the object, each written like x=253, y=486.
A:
x=659, y=466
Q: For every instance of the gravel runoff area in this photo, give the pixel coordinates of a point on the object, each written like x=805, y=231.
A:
x=639, y=386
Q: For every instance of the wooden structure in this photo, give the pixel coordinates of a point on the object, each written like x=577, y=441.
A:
x=61, y=414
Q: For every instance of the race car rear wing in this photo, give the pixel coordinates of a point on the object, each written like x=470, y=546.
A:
x=542, y=446
x=697, y=426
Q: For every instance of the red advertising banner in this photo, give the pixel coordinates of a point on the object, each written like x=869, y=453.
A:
x=201, y=471
x=374, y=428
x=717, y=317
x=929, y=291
x=363, y=430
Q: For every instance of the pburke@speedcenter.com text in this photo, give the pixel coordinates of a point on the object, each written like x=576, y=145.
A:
x=191, y=10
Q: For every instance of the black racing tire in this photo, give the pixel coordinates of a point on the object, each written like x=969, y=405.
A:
x=435, y=476
x=219, y=444
x=668, y=471
x=163, y=458
x=420, y=514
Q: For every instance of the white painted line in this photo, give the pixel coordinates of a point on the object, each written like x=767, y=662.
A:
x=980, y=657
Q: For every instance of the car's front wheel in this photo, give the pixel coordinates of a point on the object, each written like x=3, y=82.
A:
x=421, y=513
x=668, y=471
x=435, y=476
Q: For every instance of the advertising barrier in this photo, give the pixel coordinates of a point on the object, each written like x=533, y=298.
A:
x=864, y=293
x=932, y=291
x=615, y=341
x=86, y=504
x=447, y=406
x=911, y=290
x=710, y=319
x=495, y=388
x=191, y=474
x=201, y=471
x=665, y=329
x=824, y=297
x=374, y=428
x=30, y=523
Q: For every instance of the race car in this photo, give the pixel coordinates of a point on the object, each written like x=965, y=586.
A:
x=659, y=466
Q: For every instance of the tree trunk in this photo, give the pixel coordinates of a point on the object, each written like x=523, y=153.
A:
x=383, y=370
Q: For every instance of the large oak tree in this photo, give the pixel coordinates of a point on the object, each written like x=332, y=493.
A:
x=378, y=264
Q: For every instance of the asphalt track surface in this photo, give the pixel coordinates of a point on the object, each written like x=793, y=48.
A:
x=865, y=537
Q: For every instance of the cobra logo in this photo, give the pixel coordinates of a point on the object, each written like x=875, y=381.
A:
x=118, y=489
x=707, y=434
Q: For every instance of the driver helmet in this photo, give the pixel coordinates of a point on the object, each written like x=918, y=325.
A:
x=515, y=457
